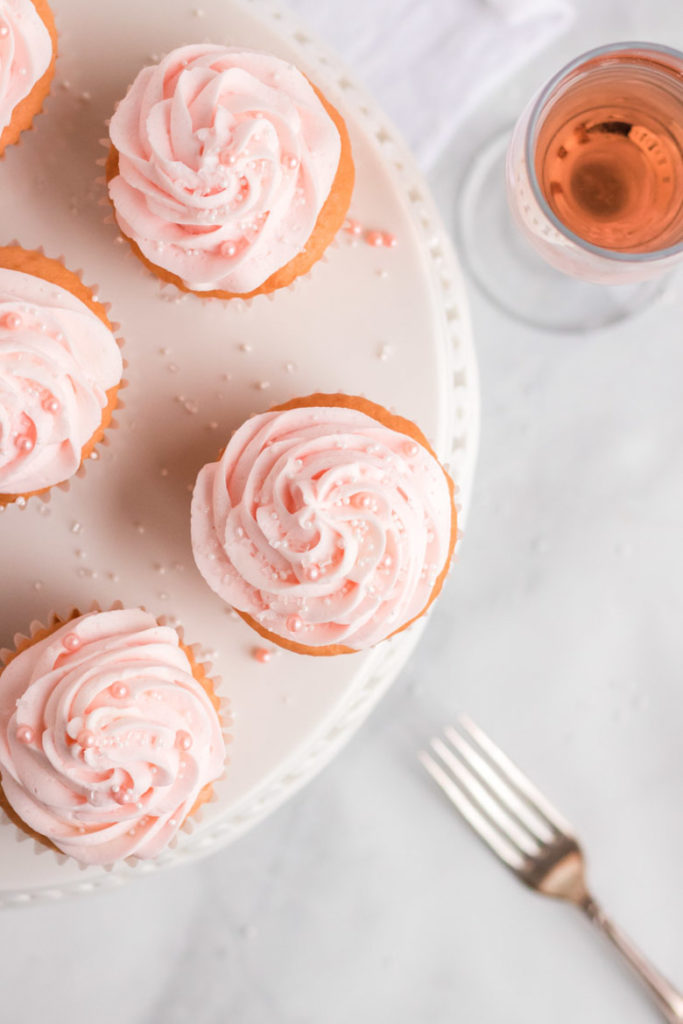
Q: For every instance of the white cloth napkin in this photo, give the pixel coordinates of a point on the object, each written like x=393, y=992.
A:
x=429, y=62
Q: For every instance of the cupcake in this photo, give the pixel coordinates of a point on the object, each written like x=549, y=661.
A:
x=60, y=370
x=229, y=172
x=327, y=523
x=109, y=735
x=28, y=48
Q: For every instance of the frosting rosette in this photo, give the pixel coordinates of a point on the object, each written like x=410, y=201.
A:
x=225, y=159
x=325, y=527
x=25, y=54
x=57, y=362
x=107, y=739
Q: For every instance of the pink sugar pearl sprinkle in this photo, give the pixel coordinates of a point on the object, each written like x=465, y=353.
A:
x=381, y=238
x=183, y=740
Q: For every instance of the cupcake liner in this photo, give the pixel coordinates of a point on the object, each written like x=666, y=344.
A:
x=42, y=846
x=91, y=448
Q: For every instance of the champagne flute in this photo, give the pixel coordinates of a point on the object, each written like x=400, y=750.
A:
x=594, y=172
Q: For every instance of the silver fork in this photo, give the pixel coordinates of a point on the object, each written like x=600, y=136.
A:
x=516, y=821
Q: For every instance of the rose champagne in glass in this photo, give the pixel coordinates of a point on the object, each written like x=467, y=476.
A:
x=594, y=172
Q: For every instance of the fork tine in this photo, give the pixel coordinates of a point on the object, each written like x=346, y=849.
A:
x=515, y=778
x=516, y=807
x=487, y=803
x=509, y=854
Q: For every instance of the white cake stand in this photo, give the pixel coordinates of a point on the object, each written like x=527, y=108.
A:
x=391, y=324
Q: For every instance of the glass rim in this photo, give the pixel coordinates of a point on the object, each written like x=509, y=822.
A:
x=539, y=103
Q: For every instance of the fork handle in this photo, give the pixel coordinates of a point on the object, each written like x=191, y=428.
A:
x=668, y=999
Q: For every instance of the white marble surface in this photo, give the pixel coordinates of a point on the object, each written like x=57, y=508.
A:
x=560, y=632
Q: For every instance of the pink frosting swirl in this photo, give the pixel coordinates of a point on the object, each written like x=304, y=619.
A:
x=106, y=737
x=323, y=525
x=57, y=362
x=25, y=54
x=226, y=157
